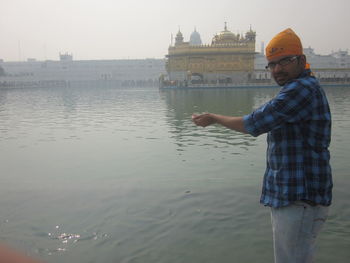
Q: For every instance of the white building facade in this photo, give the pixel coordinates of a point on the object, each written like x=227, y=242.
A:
x=332, y=67
x=146, y=72
x=124, y=72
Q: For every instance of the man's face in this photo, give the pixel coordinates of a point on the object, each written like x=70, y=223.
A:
x=286, y=68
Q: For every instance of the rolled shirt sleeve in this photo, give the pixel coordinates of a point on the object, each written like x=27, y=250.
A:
x=292, y=104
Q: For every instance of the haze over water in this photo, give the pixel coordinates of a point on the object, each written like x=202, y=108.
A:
x=102, y=174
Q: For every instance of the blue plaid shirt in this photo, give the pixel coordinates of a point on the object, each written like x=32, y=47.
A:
x=298, y=126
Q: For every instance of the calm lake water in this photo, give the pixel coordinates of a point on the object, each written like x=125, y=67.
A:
x=101, y=174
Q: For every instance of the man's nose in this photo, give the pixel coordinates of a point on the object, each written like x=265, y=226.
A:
x=277, y=68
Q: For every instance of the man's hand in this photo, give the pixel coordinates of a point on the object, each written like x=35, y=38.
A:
x=206, y=119
x=203, y=120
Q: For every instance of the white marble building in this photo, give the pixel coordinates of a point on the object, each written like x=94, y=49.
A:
x=123, y=71
x=129, y=72
x=325, y=67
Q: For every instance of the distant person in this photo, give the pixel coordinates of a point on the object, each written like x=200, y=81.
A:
x=297, y=183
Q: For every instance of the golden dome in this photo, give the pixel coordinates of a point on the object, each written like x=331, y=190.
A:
x=225, y=36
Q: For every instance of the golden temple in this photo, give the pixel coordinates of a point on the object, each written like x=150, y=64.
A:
x=228, y=59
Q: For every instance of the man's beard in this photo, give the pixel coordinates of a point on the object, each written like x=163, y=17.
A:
x=281, y=78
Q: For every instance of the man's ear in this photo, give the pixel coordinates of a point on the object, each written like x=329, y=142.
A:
x=302, y=61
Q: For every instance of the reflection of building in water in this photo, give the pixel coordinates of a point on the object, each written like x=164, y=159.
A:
x=229, y=57
x=182, y=103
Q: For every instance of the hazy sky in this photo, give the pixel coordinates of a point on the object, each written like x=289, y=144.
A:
x=114, y=29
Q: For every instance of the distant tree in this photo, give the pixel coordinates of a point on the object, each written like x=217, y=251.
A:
x=2, y=71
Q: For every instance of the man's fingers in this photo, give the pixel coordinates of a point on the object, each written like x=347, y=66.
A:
x=195, y=116
x=202, y=120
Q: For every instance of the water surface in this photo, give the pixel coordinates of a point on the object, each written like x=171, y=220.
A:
x=101, y=174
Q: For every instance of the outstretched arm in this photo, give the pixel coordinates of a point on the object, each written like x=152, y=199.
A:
x=206, y=119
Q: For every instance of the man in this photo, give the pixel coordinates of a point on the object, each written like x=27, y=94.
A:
x=297, y=183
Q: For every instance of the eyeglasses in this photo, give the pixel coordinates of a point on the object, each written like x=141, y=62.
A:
x=282, y=62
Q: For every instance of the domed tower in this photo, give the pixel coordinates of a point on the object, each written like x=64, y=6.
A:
x=179, y=39
x=250, y=35
x=195, y=38
x=225, y=37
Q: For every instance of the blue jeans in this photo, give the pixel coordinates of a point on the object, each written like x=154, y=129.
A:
x=295, y=228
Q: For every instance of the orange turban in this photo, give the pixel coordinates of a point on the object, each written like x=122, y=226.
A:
x=285, y=43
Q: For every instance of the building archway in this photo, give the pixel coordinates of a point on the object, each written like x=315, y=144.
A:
x=196, y=78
